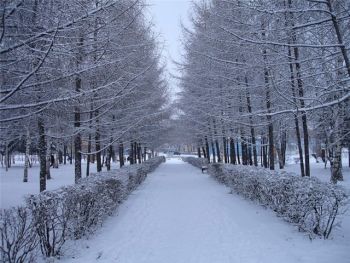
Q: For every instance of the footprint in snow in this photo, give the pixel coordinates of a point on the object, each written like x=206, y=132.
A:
x=99, y=255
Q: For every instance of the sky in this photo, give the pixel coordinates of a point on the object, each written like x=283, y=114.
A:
x=167, y=16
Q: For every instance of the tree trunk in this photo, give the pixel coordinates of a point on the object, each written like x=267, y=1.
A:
x=261, y=155
x=204, y=153
x=296, y=119
x=300, y=94
x=232, y=151
x=77, y=137
x=26, y=161
x=252, y=130
x=121, y=154
x=270, y=128
x=213, y=150
x=207, y=149
x=218, y=154
x=264, y=152
x=279, y=155
x=300, y=147
x=255, y=154
x=71, y=153
x=64, y=154
x=48, y=162
x=135, y=153
x=336, y=161
x=238, y=160
x=268, y=106
x=103, y=158
x=88, y=157
x=109, y=155
x=304, y=123
x=216, y=143
x=224, y=143
x=336, y=164
x=48, y=159
x=339, y=37
x=250, y=153
x=199, y=152
x=42, y=154
x=244, y=151
x=139, y=155
x=131, y=153
x=6, y=156
x=98, y=150
x=284, y=147
x=60, y=156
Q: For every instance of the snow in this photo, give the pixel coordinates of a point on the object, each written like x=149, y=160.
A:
x=13, y=190
x=324, y=174
x=181, y=215
x=318, y=170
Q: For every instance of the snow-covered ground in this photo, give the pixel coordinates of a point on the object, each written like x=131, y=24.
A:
x=13, y=190
x=318, y=170
x=180, y=215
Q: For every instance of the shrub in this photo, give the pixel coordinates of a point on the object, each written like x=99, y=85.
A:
x=18, y=236
x=49, y=215
x=197, y=162
x=307, y=202
x=52, y=217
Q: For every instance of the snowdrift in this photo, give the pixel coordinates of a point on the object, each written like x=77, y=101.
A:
x=52, y=217
x=312, y=205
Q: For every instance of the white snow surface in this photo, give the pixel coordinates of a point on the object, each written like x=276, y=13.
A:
x=13, y=190
x=179, y=215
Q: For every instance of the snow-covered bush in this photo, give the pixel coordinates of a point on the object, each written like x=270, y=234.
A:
x=71, y=212
x=197, y=162
x=91, y=201
x=50, y=215
x=74, y=211
x=310, y=204
x=18, y=236
x=150, y=165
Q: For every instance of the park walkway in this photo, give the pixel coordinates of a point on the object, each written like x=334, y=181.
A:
x=180, y=215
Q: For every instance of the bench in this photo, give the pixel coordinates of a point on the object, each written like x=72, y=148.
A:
x=296, y=160
x=204, y=168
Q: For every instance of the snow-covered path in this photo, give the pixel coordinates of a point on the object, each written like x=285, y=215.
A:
x=180, y=215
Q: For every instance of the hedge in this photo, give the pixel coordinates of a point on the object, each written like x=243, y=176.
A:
x=314, y=206
x=49, y=219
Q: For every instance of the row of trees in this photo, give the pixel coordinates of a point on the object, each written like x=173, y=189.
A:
x=260, y=72
x=81, y=73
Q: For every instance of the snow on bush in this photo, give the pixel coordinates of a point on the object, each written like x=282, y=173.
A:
x=71, y=212
x=197, y=162
x=18, y=237
x=310, y=204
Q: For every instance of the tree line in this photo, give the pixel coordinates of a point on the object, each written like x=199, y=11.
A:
x=80, y=78
x=258, y=74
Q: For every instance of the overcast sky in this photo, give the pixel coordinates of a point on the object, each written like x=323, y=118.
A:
x=167, y=16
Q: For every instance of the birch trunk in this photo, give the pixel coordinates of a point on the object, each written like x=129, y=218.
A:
x=26, y=160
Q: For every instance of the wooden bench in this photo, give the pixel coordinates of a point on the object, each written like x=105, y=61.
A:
x=204, y=168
